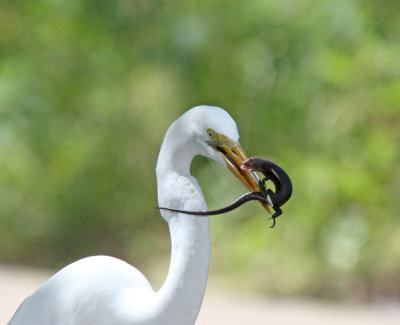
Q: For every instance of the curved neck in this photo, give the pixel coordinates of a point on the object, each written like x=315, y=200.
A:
x=181, y=295
x=176, y=153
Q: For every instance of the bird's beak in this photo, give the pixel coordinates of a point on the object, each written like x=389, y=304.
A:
x=234, y=155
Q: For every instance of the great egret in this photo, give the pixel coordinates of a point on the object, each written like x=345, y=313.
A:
x=102, y=290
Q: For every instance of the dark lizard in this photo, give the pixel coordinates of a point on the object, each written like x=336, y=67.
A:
x=281, y=180
x=271, y=171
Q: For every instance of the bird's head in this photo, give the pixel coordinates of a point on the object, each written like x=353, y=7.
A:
x=216, y=136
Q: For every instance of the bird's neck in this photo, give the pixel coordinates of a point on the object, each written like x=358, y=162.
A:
x=177, y=151
x=181, y=295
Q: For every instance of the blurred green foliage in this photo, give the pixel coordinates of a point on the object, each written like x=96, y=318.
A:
x=88, y=89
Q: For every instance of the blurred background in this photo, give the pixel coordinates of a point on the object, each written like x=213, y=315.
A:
x=89, y=88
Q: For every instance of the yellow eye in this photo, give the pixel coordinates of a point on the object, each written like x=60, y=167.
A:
x=210, y=133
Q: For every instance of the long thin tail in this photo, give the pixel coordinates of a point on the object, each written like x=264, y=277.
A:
x=250, y=196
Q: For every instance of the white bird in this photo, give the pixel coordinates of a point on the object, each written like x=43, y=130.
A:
x=102, y=290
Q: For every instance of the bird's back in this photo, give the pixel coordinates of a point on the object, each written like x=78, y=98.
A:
x=84, y=292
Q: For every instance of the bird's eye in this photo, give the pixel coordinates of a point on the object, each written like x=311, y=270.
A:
x=210, y=133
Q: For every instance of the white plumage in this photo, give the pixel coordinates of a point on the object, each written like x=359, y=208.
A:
x=105, y=290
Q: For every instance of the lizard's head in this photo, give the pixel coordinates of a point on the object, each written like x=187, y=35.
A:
x=252, y=163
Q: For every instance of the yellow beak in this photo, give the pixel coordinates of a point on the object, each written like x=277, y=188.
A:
x=234, y=155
